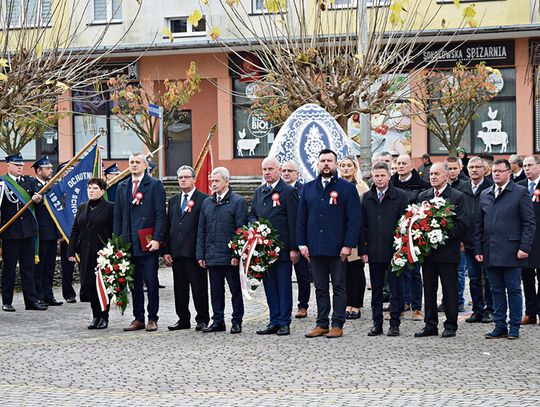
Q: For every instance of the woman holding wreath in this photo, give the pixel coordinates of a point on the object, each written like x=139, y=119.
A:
x=91, y=230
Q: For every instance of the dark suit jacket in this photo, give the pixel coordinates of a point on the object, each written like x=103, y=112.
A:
x=129, y=218
x=25, y=226
x=472, y=204
x=47, y=227
x=533, y=261
x=90, y=233
x=379, y=222
x=282, y=217
x=519, y=178
x=299, y=187
x=450, y=251
x=181, y=236
x=324, y=228
x=504, y=226
x=412, y=187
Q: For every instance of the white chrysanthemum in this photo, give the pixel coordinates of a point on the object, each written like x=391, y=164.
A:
x=434, y=223
x=400, y=262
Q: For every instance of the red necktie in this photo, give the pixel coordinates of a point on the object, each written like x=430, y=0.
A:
x=436, y=193
x=135, y=187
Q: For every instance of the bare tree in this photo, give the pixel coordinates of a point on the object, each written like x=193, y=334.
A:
x=44, y=55
x=446, y=102
x=346, y=59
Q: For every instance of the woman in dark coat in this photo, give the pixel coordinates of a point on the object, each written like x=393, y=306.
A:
x=91, y=230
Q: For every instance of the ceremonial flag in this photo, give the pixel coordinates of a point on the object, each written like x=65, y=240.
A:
x=205, y=164
x=64, y=198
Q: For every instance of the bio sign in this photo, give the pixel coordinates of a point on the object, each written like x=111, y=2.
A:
x=257, y=123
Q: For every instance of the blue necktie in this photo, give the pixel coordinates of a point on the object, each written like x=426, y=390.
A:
x=184, y=202
x=380, y=195
x=531, y=189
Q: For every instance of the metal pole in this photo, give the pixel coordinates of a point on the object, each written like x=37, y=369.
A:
x=365, y=120
x=161, y=145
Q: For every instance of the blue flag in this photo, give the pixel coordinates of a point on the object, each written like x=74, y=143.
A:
x=63, y=199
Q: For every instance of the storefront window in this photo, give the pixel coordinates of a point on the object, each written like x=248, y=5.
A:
x=93, y=113
x=494, y=129
x=253, y=134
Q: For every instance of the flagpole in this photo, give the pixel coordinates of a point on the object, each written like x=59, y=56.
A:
x=50, y=182
x=205, y=149
x=120, y=176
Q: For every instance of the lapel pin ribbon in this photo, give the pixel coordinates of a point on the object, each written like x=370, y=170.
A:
x=190, y=205
x=333, y=198
x=275, y=200
x=138, y=198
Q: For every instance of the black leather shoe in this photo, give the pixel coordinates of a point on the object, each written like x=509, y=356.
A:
x=284, y=330
x=102, y=324
x=448, y=333
x=200, y=326
x=53, y=302
x=94, y=323
x=354, y=315
x=236, y=328
x=179, y=325
x=8, y=308
x=393, y=331
x=426, y=332
x=475, y=317
x=36, y=307
x=270, y=329
x=375, y=331
x=71, y=300
x=215, y=327
x=487, y=318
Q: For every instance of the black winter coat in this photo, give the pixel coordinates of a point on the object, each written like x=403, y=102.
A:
x=379, y=222
x=533, y=261
x=412, y=187
x=90, y=233
x=217, y=225
x=472, y=204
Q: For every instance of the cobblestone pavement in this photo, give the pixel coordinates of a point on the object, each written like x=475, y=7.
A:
x=50, y=358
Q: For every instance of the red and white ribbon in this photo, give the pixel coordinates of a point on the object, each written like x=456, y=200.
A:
x=190, y=205
x=333, y=198
x=138, y=198
x=253, y=239
x=102, y=291
x=275, y=199
x=536, y=195
x=417, y=212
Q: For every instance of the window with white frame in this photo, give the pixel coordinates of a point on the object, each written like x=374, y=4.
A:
x=26, y=13
x=105, y=11
x=180, y=27
x=337, y=4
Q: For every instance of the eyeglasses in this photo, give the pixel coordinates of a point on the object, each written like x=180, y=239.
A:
x=184, y=176
x=287, y=170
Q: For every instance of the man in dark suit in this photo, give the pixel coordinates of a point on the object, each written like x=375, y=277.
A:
x=504, y=235
x=139, y=214
x=516, y=164
x=408, y=179
x=442, y=262
x=531, y=273
x=48, y=237
x=181, y=239
x=328, y=227
x=382, y=206
x=289, y=173
x=277, y=202
x=221, y=215
x=482, y=303
x=20, y=239
x=455, y=178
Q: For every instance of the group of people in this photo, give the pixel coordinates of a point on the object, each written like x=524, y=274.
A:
x=329, y=228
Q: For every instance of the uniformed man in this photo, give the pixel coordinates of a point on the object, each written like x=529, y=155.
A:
x=20, y=238
x=111, y=172
x=48, y=237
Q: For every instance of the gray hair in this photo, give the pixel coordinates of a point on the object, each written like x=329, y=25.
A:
x=516, y=159
x=224, y=172
x=188, y=168
x=138, y=155
x=474, y=159
x=535, y=158
x=385, y=153
x=381, y=165
x=292, y=163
